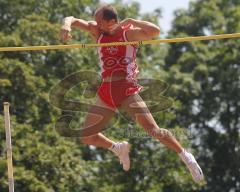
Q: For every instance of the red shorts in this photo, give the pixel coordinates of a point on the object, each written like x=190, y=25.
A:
x=114, y=92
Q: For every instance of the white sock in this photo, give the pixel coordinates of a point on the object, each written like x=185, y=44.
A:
x=113, y=147
x=184, y=155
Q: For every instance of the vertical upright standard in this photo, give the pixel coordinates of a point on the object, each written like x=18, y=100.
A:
x=9, y=146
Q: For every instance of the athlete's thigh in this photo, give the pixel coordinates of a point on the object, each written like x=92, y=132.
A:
x=97, y=118
x=138, y=110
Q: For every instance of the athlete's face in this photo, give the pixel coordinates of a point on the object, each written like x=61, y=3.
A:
x=104, y=26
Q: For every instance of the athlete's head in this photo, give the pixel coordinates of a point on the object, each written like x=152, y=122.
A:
x=106, y=17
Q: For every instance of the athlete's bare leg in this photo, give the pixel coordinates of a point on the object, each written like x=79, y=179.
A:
x=138, y=110
x=98, y=119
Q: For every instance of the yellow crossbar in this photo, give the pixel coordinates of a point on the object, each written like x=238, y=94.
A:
x=158, y=41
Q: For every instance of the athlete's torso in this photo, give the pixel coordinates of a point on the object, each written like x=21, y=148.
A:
x=117, y=60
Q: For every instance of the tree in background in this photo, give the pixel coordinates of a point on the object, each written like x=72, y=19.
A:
x=205, y=79
x=43, y=161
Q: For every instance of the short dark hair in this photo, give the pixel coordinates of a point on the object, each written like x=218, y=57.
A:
x=109, y=12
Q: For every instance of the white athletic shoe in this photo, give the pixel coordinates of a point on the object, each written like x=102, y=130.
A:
x=192, y=165
x=122, y=151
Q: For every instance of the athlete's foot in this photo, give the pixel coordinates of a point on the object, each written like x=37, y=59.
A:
x=122, y=151
x=192, y=165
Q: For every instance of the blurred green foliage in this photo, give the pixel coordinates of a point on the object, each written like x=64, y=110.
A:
x=204, y=84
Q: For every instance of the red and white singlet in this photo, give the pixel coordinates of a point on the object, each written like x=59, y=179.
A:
x=117, y=60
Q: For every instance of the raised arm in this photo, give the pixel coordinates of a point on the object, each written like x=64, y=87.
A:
x=142, y=30
x=69, y=22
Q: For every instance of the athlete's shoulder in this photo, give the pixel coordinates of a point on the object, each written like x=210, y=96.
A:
x=93, y=28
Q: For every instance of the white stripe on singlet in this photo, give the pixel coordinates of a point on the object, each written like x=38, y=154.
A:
x=100, y=53
x=130, y=53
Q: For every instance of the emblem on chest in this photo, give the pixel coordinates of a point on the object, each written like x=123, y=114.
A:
x=113, y=50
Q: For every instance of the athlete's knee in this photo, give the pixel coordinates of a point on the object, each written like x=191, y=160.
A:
x=160, y=133
x=166, y=135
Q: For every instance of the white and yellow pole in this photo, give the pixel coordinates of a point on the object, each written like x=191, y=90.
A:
x=9, y=146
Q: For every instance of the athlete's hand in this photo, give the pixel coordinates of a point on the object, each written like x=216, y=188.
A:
x=65, y=34
x=124, y=22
